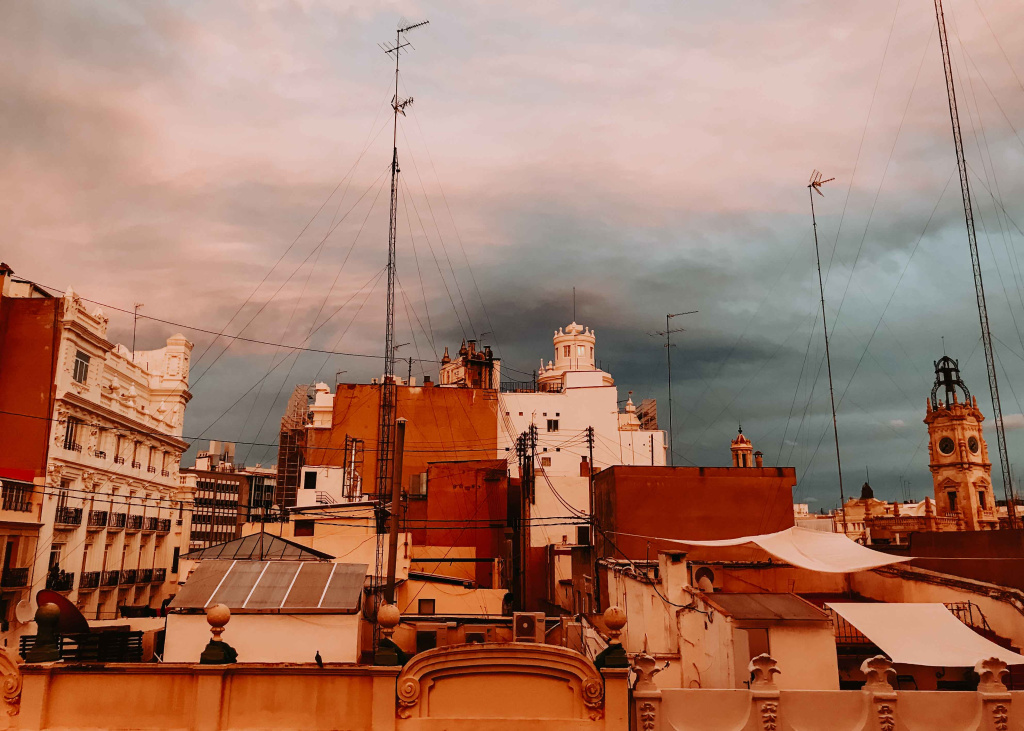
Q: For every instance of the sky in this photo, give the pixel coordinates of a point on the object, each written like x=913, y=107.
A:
x=226, y=165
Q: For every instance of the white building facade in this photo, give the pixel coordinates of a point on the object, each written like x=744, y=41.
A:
x=116, y=512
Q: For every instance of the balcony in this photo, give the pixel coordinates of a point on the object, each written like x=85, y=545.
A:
x=90, y=580
x=116, y=521
x=66, y=516
x=110, y=578
x=150, y=524
x=60, y=581
x=159, y=576
x=151, y=469
x=128, y=576
x=145, y=576
x=164, y=525
x=165, y=473
x=99, y=454
x=14, y=578
x=72, y=447
x=97, y=519
x=17, y=497
x=134, y=522
x=530, y=387
x=136, y=465
x=118, y=460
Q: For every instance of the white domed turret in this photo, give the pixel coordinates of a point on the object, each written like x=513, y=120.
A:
x=574, y=348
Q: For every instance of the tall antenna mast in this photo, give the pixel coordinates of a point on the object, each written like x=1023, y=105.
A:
x=979, y=287
x=388, y=395
x=814, y=186
x=668, y=354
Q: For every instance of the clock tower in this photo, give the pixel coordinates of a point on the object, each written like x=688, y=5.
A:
x=958, y=455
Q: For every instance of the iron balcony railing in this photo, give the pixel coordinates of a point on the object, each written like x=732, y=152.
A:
x=14, y=578
x=136, y=465
x=164, y=525
x=134, y=522
x=145, y=576
x=89, y=580
x=151, y=469
x=118, y=460
x=165, y=473
x=150, y=523
x=68, y=516
x=99, y=453
x=127, y=576
x=98, y=518
x=17, y=498
x=110, y=578
x=60, y=581
x=159, y=575
x=117, y=520
x=530, y=387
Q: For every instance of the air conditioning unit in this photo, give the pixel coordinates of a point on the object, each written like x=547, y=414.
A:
x=528, y=627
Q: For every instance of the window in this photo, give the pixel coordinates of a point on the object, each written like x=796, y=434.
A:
x=174, y=560
x=566, y=351
x=425, y=606
x=304, y=527
x=552, y=424
x=581, y=350
x=952, y=501
x=309, y=481
x=981, y=501
x=55, y=552
x=81, y=369
x=545, y=461
x=71, y=434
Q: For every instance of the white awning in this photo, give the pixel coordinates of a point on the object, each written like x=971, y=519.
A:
x=831, y=553
x=922, y=634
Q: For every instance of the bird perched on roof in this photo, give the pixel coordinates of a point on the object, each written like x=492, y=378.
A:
x=319, y=660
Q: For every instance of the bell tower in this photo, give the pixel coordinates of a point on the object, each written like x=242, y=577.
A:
x=742, y=450
x=958, y=455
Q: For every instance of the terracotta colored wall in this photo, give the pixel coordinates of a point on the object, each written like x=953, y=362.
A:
x=699, y=503
x=29, y=342
x=969, y=554
x=444, y=425
x=466, y=505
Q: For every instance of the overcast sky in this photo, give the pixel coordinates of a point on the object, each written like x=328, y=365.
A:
x=198, y=156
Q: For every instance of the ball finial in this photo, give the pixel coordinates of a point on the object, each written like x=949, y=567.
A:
x=388, y=618
x=218, y=616
x=614, y=620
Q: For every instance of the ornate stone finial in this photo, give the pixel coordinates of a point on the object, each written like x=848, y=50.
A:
x=877, y=670
x=646, y=667
x=614, y=620
x=991, y=672
x=388, y=618
x=45, y=648
x=11, y=681
x=762, y=668
x=218, y=652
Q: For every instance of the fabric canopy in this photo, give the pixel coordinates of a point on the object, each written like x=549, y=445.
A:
x=831, y=553
x=922, y=634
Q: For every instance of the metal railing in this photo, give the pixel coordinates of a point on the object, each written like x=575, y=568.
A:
x=150, y=524
x=68, y=516
x=151, y=469
x=530, y=387
x=145, y=576
x=60, y=581
x=98, y=519
x=134, y=522
x=165, y=473
x=17, y=497
x=93, y=647
x=89, y=580
x=99, y=453
x=118, y=460
x=110, y=578
x=164, y=525
x=117, y=520
x=159, y=575
x=127, y=576
x=136, y=465
x=14, y=578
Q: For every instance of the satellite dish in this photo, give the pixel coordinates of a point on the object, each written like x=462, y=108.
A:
x=23, y=611
x=71, y=621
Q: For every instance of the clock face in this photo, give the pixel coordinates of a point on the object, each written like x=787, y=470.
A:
x=946, y=445
x=972, y=444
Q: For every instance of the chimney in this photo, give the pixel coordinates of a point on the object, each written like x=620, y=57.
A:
x=758, y=459
x=427, y=383
x=584, y=468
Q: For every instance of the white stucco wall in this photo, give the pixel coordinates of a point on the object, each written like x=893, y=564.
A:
x=268, y=637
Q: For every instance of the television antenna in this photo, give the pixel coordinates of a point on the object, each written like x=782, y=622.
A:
x=814, y=186
x=667, y=334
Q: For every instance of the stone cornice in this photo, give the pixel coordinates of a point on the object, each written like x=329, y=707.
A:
x=132, y=424
x=84, y=332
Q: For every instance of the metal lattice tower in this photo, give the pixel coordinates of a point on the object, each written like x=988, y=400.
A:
x=979, y=287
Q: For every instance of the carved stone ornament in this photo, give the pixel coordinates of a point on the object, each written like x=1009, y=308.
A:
x=770, y=715
x=1000, y=717
x=645, y=667
x=886, y=717
x=990, y=672
x=12, y=682
x=443, y=665
x=648, y=716
x=877, y=670
x=762, y=668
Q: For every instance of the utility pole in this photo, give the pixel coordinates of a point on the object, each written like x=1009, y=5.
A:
x=388, y=395
x=135, y=325
x=979, y=287
x=396, y=502
x=590, y=479
x=410, y=371
x=668, y=354
x=814, y=186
